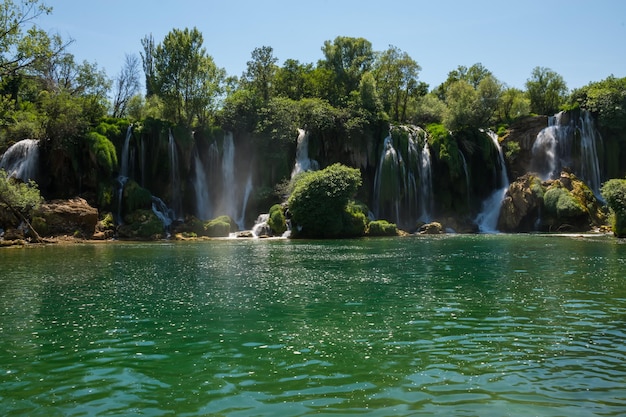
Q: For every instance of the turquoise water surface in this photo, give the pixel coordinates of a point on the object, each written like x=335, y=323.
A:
x=459, y=325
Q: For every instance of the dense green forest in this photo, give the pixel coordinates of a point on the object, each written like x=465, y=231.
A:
x=172, y=93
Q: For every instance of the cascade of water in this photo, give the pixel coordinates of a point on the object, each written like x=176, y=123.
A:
x=261, y=228
x=203, y=201
x=569, y=143
x=487, y=219
x=121, y=182
x=387, y=181
x=21, y=159
x=124, y=171
x=244, y=205
x=544, y=149
x=122, y=179
x=176, y=202
x=303, y=162
x=228, y=175
x=403, y=188
x=590, y=166
x=164, y=213
x=426, y=184
x=467, y=177
x=414, y=193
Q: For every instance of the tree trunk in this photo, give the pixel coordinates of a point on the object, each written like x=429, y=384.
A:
x=15, y=211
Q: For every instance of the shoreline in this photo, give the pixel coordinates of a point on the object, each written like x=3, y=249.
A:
x=71, y=240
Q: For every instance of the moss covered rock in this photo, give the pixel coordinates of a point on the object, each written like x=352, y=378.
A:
x=381, y=228
x=221, y=226
x=141, y=224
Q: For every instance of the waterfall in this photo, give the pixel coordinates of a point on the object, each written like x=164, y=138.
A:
x=590, y=166
x=200, y=186
x=21, y=160
x=122, y=179
x=387, y=182
x=261, y=228
x=228, y=175
x=244, y=205
x=176, y=202
x=569, y=142
x=124, y=171
x=403, y=187
x=467, y=177
x=487, y=219
x=426, y=184
x=544, y=150
x=303, y=162
x=165, y=214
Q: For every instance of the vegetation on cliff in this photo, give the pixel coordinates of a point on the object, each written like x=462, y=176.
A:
x=614, y=192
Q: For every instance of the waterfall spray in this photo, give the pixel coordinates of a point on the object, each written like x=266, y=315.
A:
x=21, y=160
x=487, y=219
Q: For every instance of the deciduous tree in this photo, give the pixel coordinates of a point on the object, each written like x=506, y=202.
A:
x=396, y=75
x=261, y=71
x=348, y=59
x=126, y=85
x=546, y=90
x=183, y=75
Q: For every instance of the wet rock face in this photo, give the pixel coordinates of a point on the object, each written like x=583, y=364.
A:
x=524, y=132
x=68, y=217
x=521, y=206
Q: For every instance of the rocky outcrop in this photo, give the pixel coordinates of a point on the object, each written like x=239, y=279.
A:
x=522, y=133
x=74, y=217
x=522, y=205
x=433, y=228
x=563, y=204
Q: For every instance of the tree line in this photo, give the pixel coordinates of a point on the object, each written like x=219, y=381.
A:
x=46, y=93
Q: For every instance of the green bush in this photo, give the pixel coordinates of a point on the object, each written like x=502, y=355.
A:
x=382, y=228
x=141, y=224
x=277, y=221
x=560, y=202
x=23, y=197
x=354, y=220
x=614, y=192
x=108, y=222
x=319, y=201
x=136, y=197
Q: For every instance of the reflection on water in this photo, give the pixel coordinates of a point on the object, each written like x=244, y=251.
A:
x=464, y=325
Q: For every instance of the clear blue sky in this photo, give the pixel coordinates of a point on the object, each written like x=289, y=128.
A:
x=583, y=41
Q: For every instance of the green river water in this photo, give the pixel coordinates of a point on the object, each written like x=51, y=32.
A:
x=458, y=325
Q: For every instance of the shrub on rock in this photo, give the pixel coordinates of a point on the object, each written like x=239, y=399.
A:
x=319, y=203
x=614, y=192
